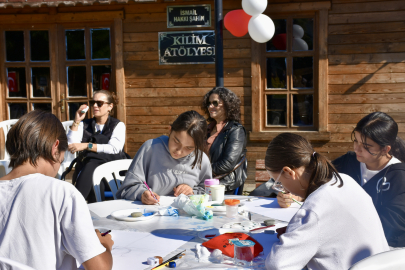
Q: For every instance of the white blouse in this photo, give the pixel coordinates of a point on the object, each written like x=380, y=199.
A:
x=115, y=144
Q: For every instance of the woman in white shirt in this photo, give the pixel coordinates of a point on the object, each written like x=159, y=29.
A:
x=45, y=223
x=336, y=226
x=377, y=165
x=101, y=139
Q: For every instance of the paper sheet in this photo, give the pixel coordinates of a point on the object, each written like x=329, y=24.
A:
x=271, y=208
x=132, y=249
x=103, y=209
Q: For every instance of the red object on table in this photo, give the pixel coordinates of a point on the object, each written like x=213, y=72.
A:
x=221, y=242
x=12, y=81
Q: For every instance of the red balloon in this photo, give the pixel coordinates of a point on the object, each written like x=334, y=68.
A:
x=236, y=21
x=280, y=42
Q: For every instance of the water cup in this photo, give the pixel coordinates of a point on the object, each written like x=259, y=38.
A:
x=208, y=183
x=218, y=193
x=244, y=252
x=232, y=207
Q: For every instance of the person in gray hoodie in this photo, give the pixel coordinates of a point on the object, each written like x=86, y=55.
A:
x=170, y=165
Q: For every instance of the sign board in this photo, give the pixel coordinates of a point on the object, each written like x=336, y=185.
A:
x=187, y=47
x=189, y=16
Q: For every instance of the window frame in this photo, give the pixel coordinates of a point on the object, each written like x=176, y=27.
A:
x=27, y=64
x=319, y=132
x=52, y=21
x=87, y=62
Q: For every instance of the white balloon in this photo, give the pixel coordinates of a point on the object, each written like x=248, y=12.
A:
x=261, y=28
x=299, y=45
x=298, y=32
x=254, y=7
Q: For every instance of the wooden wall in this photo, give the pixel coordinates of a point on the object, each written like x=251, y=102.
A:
x=366, y=45
x=155, y=93
x=366, y=48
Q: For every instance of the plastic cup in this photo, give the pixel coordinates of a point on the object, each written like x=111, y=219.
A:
x=208, y=183
x=218, y=193
x=232, y=207
x=244, y=252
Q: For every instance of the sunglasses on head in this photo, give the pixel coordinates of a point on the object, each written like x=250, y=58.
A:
x=98, y=102
x=215, y=103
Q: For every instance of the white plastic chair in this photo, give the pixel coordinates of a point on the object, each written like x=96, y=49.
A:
x=393, y=259
x=6, y=125
x=13, y=265
x=69, y=157
x=106, y=171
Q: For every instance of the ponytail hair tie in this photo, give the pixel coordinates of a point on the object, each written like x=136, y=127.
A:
x=313, y=154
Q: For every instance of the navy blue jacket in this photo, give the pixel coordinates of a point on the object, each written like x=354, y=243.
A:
x=390, y=204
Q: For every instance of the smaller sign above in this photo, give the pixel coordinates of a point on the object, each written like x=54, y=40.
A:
x=189, y=16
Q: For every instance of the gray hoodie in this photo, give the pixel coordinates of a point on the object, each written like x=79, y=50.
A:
x=162, y=172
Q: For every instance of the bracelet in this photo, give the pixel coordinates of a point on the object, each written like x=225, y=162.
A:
x=75, y=124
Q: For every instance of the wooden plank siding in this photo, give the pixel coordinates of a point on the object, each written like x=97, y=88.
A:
x=156, y=94
x=366, y=66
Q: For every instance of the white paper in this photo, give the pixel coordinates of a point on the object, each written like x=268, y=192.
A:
x=271, y=208
x=104, y=209
x=132, y=249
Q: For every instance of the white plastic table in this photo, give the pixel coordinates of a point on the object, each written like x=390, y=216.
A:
x=182, y=225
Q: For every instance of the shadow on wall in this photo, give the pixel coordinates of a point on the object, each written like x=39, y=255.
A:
x=363, y=81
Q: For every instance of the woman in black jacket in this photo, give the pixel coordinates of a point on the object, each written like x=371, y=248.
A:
x=377, y=165
x=226, y=143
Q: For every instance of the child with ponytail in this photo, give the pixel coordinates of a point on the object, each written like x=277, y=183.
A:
x=336, y=226
x=377, y=165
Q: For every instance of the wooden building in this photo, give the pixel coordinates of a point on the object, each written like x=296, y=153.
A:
x=56, y=52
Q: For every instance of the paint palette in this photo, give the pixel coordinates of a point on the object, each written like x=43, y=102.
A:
x=244, y=225
x=125, y=215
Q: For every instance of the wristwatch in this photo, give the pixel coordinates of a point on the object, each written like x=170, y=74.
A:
x=90, y=146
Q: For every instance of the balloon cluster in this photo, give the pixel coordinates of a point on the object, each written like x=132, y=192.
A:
x=250, y=19
x=280, y=41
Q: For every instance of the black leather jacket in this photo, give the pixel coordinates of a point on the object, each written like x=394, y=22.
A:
x=226, y=151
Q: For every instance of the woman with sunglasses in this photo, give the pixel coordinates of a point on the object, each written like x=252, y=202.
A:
x=336, y=226
x=226, y=143
x=170, y=165
x=101, y=139
x=377, y=165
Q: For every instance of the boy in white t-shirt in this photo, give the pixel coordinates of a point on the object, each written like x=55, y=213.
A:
x=45, y=223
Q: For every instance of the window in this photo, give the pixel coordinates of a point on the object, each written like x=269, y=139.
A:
x=87, y=65
x=289, y=90
x=289, y=85
x=57, y=66
x=28, y=71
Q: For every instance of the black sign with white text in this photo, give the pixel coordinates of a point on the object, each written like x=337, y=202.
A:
x=189, y=16
x=187, y=47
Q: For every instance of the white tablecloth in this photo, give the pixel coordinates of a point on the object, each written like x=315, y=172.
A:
x=182, y=225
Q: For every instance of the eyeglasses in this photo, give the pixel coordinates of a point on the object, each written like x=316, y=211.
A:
x=215, y=103
x=277, y=186
x=99, y=103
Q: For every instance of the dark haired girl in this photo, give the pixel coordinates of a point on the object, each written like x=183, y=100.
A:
x=376, y=165
x=336, y=226
x=170, y=165
x=226, y=141
x=45, y=223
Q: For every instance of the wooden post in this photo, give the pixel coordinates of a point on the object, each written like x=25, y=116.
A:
x=219, y=48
